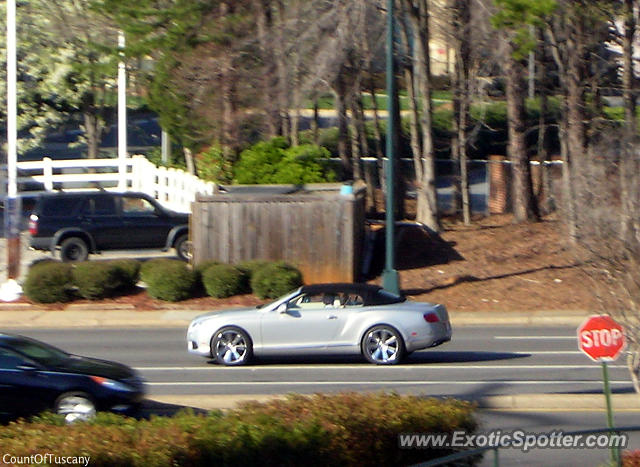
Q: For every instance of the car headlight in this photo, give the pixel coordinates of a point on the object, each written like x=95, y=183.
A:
x=111, y=384
x=194, y=325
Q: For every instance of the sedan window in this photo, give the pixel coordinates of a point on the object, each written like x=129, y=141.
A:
x=319, y=300
x=10, y=360
x=40, y=352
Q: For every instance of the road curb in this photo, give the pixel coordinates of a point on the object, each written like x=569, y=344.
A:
x=524, y=402
x=123, y=315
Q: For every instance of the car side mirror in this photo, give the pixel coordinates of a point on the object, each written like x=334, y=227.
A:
x=282, y=308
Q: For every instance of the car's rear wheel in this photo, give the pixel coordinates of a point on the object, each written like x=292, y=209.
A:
x=75, y=406
x=74, y=249
x=183, y=248
x=383, y=345
x=231, y=346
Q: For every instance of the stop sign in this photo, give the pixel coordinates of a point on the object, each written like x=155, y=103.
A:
x=601, y=338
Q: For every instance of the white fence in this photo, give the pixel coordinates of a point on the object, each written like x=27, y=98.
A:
x=173, y=188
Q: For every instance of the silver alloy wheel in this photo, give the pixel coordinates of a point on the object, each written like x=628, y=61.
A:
x=231, y=347
x=382, y=345
x=75, y=407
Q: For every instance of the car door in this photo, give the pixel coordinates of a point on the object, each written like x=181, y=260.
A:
x=307, y=323
x=24, y=389
x=101, y=219
x=146, y=225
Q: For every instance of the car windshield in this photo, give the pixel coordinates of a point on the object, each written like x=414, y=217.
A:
x=40, y=352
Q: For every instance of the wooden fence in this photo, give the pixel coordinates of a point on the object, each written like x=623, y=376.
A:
x=319, y=232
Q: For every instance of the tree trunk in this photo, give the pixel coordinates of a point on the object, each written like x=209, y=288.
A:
x=524, y=208
x=93, y=133
x=426, y=203
x=262, y=10
x=344, y=149
x=462, y=22
x=377, y=136
x=627, y=165
x=188, y=157
x=281, y=69
x=543, y=154
x=315, y=122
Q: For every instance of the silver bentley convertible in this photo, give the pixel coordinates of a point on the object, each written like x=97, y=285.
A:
x=322, y=318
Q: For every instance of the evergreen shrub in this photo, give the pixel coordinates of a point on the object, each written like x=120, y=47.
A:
x=223, y=280
x=168, y=279
x=49, y=282
x=275, y=279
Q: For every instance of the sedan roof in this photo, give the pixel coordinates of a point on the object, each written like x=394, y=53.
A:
x=371, y=294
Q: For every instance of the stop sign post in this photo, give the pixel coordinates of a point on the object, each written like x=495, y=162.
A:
x=603, y=340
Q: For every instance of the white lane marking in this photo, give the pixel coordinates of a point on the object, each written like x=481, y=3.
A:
x=368, y=383
x=364, y=366
x=535, y=337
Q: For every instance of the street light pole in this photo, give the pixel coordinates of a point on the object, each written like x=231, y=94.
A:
x=11, y=290
x=390, y=275
x=122, y=117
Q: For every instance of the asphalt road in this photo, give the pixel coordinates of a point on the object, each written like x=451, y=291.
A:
x=480, y=361
x=547, y=422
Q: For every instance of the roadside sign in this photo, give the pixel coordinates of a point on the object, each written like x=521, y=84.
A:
x=601, y=338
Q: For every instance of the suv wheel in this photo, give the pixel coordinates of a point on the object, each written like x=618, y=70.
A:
x=183, y=248
x=73, y=249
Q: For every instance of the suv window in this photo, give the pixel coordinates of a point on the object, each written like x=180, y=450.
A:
x=137, y=206
x=61, y=206
x=100, y=206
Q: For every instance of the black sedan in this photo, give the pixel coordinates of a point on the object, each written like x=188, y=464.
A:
x=35, y=376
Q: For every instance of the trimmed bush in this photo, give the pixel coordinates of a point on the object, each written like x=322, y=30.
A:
x=95, y=280
x=275, y=279
x=248, y=269
x=274, y=161
x=223, y=280
x=128, y=272
x=202, y=267
x=337, y=430
x=49, y=282
x=168, y=279
x=100, y=279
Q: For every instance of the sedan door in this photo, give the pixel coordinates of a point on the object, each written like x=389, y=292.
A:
x=308, y=324
x=23, y=388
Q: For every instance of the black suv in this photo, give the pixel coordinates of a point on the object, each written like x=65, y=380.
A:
x=79, y=223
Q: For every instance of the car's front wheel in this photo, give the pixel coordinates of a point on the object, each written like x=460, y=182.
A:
x=75, y=406
x=74, y=249
x=383, y=345
x=231, y=346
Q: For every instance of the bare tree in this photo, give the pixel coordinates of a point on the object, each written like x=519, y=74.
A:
x=612, y=260
x=418, y=82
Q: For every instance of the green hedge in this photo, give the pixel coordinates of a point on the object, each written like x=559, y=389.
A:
x=274, y=161
x=95, y=279
x=49, y=282
x=223, y=280
x=275, y=279
x=168, y=279
x=337, y=430
x=100, y=279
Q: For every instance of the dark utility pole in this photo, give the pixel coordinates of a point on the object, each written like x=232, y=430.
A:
x=390, y=275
